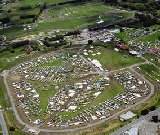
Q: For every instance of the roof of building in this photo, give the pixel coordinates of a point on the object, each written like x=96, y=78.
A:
x=29, y=48
x=124, y=47
x=154, y=49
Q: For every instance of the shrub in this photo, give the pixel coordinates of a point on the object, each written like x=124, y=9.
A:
x=12, y=51
x=144, y=112
x=152, y=108
x=155, y=118
x=11, y=129
x=90, y=42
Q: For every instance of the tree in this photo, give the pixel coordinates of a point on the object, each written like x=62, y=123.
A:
x=45, y=5
x=9, y=11
x=159, y=37
x=152, y=108
x=12, y=51
x=155, y=119
x=121, y=29
x=11, y=129
x=144, y=112
x=90, y=42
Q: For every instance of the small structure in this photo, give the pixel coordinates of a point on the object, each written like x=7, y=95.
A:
x=157, y=59
x=132, y=131
x=154, y=49
x=124, y=47
x=72, y=107
x=133, y=53
x=127, y=116
x=29, y=48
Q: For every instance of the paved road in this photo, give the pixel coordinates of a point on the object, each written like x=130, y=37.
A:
x=3, y=123
x=128, y=126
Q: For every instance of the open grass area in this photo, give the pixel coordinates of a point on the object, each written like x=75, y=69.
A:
x=11, y=121
x=110, y=92
x=15, y=13
x=150, y=57
x=77, y=11
x=4, y=99
x=49, y=2
x=158, y=11
x=113, y=60
x=62, y=24
x=150, y=71
x=11, y=30
x=18, y=51
x=122, y=35
x=4, y=64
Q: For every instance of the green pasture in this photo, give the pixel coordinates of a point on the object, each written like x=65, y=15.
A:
x=152, y=56
x=79, y=11
x=122, y=35
x=151, y=70
x=48, y=2
x=8, y=54
x=158, y=11
x=4, y=63
x=11, y=30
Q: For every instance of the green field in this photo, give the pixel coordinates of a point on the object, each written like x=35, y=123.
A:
x=150, y=56
x=4, y=99
x=151, y=70
x=122, y=35
x=2, y=96
x=113, y=60
x=11, y=30
x=79, y=11
x=4, y=64
x=49, y=2
x=158, y=11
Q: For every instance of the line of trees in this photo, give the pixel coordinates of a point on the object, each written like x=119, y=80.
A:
x=73, y=1
x=76, y=32
x=56, y=41
x=12, y=46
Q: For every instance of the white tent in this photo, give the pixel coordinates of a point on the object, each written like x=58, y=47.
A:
x=72, y=107
x=96, y=94
x=94, y=117
x=128, y=115
x=36, y=96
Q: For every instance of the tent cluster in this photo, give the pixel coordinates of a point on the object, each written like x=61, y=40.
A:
x=94, y=52
x=106, y=37
x=28, y=99
x=81, y=94
x=53, y=68
x=131, y=83
x=134, y=34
